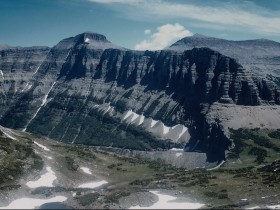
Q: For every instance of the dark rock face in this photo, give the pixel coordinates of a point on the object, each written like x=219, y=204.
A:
x=260, y=56
x=80, y=90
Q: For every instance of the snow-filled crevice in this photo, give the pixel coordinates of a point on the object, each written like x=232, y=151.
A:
x=42, y=104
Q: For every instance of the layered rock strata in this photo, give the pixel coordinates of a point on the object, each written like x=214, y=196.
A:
x=90, y=91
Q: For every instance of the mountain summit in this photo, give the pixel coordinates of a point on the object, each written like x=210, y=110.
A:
x=91, y=39
x=259, y=55
x=91, y=36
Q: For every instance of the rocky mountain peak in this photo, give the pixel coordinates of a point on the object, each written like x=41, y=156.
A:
x=91, y=36
x=92, y=40
x=194, y=40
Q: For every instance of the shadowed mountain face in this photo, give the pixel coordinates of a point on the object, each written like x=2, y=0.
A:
x=87, y=90
x=261, y=55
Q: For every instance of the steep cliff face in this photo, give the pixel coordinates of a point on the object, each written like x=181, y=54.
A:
x=87, y=90
x=17, y=67
x=260, y=56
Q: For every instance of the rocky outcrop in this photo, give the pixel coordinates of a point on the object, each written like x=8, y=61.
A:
x=87, y=90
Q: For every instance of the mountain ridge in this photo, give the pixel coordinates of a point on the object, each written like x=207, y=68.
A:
x=258, y=55
x=98, y=95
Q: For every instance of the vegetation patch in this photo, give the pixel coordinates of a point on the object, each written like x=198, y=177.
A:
x=71, y=165
x=258, y=143
x=16, y=158
x=114, y=197
x=88, y=199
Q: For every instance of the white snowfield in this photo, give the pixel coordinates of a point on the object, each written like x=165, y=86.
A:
x=92, y=185
x=42, y=146
x=32, y=203
x=168, y=202
x=46, y=180
x=176, y=133
x=86, y=170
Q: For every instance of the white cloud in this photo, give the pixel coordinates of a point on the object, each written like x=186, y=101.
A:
x=165, y=36
x=147, y=31
x=227, y=16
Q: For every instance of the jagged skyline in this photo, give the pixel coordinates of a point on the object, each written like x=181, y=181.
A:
x=137, y=24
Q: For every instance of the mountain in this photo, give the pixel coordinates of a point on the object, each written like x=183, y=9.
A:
x=261, y=56
x=86, y=90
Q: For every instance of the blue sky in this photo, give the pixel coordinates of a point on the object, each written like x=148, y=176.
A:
x=136, y=24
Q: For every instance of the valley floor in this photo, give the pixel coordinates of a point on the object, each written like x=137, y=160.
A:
x=72, y=176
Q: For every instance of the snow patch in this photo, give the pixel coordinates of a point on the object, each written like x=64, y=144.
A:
x=92, y=185
x=168, y=202
x=128, y=113
x=216, y=167
x=2, y=74
x=27, y=87
x=273, y=207
x=153, y=123
x=141, y=119
x=79, y=130
x=86, y=170
x=107, y=110
x=42, y=146
x=182, y=132
x=46, y=180
x=254, y=207
x=134, y=117
x=178, y=154
x=49, y=157
x=158, y=127
x=177, y=149
x=32, y=203
x=8, y=135
x=87, y=40
x=165, y=130
x=37, y=69
x=46, y=96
